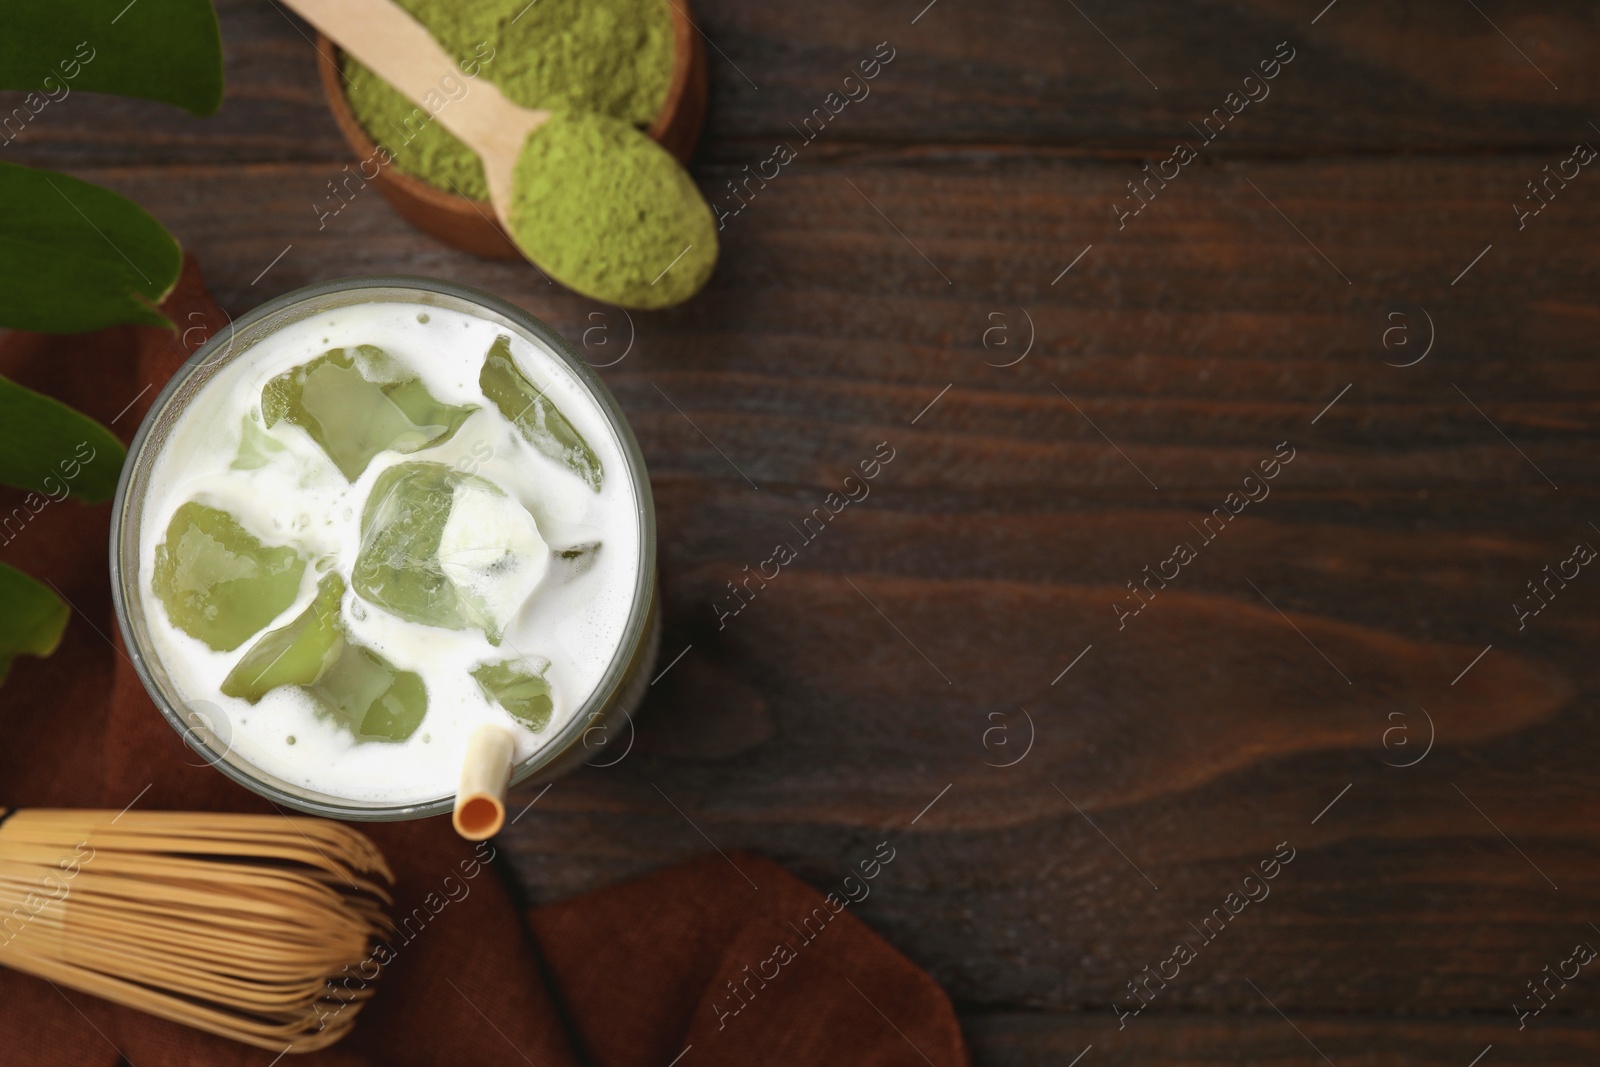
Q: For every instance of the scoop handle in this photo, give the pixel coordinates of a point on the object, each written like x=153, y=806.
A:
x=397, y=47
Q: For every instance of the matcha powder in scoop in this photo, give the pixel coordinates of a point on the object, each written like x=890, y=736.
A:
x=609, y=213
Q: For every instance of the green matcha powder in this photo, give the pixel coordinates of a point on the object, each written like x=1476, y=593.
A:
x=611, y=57
x=609, y=212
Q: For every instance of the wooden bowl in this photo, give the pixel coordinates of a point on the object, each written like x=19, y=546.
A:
x=470, y=225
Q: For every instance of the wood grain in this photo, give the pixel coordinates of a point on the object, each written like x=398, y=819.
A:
x=874, y=292
x=997, y=539
x=1366, y=79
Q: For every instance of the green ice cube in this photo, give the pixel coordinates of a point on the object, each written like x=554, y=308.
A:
x=218, y=582
x=574, y=561
x=540, y=421
x=256, y=447
x=359, y=689
x=398, y=566
x=524, y=694
x=414, y=561
x=297, y=654
x=371, y=697
x=358, y=402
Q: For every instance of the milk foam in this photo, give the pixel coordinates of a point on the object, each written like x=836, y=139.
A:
x=575, y=621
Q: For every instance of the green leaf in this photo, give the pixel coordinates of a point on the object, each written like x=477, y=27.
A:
x=49, y=448
x=166, y=50
x=32, y=618
x=76, y=257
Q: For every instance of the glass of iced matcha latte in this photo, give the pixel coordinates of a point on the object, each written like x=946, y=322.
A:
x=370, y=517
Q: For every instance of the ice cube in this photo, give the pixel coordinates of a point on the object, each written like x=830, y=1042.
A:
x=449, y=549
x=492, y=552
x=358, y=402
x=297, y=654
x=256, y=447
x=371, y=697
x=359, y=689
x=570, y=563
x=396, y=566
x=536, y=415
x=219, y=583
x=520, y=688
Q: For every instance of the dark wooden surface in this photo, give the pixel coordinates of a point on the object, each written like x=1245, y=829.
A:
x=933, y=621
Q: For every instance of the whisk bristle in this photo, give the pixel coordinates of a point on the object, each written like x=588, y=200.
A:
x=255, y=927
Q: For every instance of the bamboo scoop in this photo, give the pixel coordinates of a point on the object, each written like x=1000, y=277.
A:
x=261, y=928
x=399, y=49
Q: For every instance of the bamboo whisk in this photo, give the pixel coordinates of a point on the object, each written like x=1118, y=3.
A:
x=256, y=927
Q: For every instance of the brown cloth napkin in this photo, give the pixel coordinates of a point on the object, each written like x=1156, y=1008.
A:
x=690, y=958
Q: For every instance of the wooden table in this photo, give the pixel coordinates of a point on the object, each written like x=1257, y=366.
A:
x=1338, y=274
